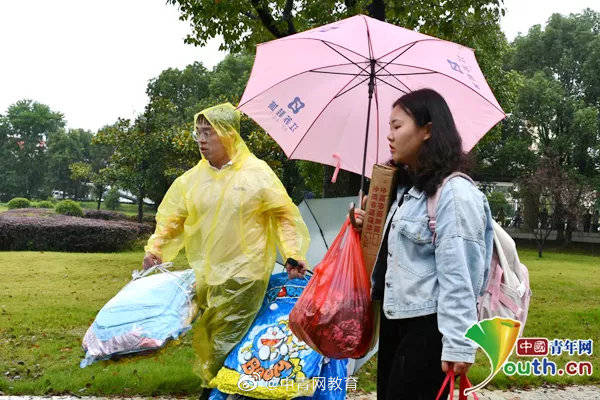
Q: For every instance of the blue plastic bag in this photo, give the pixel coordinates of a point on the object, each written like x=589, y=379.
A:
x=147, y=312
x=270, y=362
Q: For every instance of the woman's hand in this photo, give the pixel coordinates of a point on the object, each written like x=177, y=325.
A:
x=359, y=214
x=459, y=368
x=150, y=260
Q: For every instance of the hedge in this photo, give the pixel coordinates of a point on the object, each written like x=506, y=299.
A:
x=44, y=230
x=105, y=215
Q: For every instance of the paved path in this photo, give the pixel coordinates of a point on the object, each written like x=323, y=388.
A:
x=543, y=393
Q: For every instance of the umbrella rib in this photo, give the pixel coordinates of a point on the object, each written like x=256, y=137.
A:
x=317, y=222
x=399, y=81
x=316, y=118
x=397, y=88
x=431, y=39
x=302, y=72
x=369, y=39
x=353, y=87
x=336, y=73
x=353, y=63
x=454, y=79
x=321, y=40
x=395, y=58
x=407, y=74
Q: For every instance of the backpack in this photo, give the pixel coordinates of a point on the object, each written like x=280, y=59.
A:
x=507, y=292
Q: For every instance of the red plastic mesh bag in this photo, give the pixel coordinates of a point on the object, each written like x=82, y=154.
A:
x=333, y=315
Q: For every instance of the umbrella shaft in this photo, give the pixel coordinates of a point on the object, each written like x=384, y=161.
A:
x=371, y=90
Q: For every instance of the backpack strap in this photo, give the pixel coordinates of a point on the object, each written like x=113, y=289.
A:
x=432, y=202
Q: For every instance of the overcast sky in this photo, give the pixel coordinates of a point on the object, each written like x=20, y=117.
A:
x=92, y=59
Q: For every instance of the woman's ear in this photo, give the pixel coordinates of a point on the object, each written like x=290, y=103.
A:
x=426, y=131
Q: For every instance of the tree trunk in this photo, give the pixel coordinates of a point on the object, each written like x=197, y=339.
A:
x=569, y=232
x=141, y=196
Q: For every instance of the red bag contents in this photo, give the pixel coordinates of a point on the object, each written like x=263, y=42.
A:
x=333, y=315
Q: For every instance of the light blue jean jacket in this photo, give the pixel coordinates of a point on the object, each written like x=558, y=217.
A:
x=447, y=278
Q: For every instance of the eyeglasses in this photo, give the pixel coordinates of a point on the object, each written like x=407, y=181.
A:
x=197, y=135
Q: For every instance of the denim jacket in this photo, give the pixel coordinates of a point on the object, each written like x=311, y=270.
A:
x=445, y=278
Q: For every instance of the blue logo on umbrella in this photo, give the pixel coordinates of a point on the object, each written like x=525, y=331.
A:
x=296, y=105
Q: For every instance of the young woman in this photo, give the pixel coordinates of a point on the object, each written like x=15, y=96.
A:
x=428, y=291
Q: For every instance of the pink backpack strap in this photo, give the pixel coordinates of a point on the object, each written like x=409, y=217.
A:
x=432, y=202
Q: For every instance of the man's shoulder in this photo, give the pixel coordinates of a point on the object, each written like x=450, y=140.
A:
x=255, y=165
x=189, y=173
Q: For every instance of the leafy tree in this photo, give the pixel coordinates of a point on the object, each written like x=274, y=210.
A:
x=64, y=149
x=138, y=161
x=112, y=199
x=245, y=23
x=567, y=48
x=498, y=204
x=24, y=131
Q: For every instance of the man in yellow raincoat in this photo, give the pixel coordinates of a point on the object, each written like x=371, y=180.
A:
x=230, y=212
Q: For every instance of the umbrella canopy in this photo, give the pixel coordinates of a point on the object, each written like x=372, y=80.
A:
x=325, y=95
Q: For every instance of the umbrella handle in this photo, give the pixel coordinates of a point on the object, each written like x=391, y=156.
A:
x=351, y=215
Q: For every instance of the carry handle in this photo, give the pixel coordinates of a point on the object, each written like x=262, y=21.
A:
x=137, y=274
x=464, y=384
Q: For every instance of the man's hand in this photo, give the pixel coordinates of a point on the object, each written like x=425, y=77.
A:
x=150, y=260
x=296, y=272
x=459, y=368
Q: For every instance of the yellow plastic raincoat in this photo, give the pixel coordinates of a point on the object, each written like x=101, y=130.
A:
x=230, y=222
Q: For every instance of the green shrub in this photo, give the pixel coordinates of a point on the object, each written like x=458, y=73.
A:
x=19, y=202
x=44, y=204
x=111, y=201
x=69, y=207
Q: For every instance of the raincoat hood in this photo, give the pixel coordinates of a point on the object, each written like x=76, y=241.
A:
x=225, y=120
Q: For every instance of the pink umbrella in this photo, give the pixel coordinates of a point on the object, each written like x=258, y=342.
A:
x=313, y=91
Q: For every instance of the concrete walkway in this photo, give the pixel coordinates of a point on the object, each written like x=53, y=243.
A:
x=543, y=393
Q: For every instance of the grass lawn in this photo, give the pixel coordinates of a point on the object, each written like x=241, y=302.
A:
x=48, y=300
x=125, y=208
x=3, y=207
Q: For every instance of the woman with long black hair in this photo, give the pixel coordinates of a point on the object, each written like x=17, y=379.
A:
x=428, y=290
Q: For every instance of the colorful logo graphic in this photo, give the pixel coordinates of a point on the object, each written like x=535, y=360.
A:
x=496, y=337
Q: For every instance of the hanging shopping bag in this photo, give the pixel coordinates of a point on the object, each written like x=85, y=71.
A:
x=464, y=384
x=334, y=315
x=144, y=315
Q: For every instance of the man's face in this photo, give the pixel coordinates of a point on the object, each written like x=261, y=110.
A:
x=210, y=145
